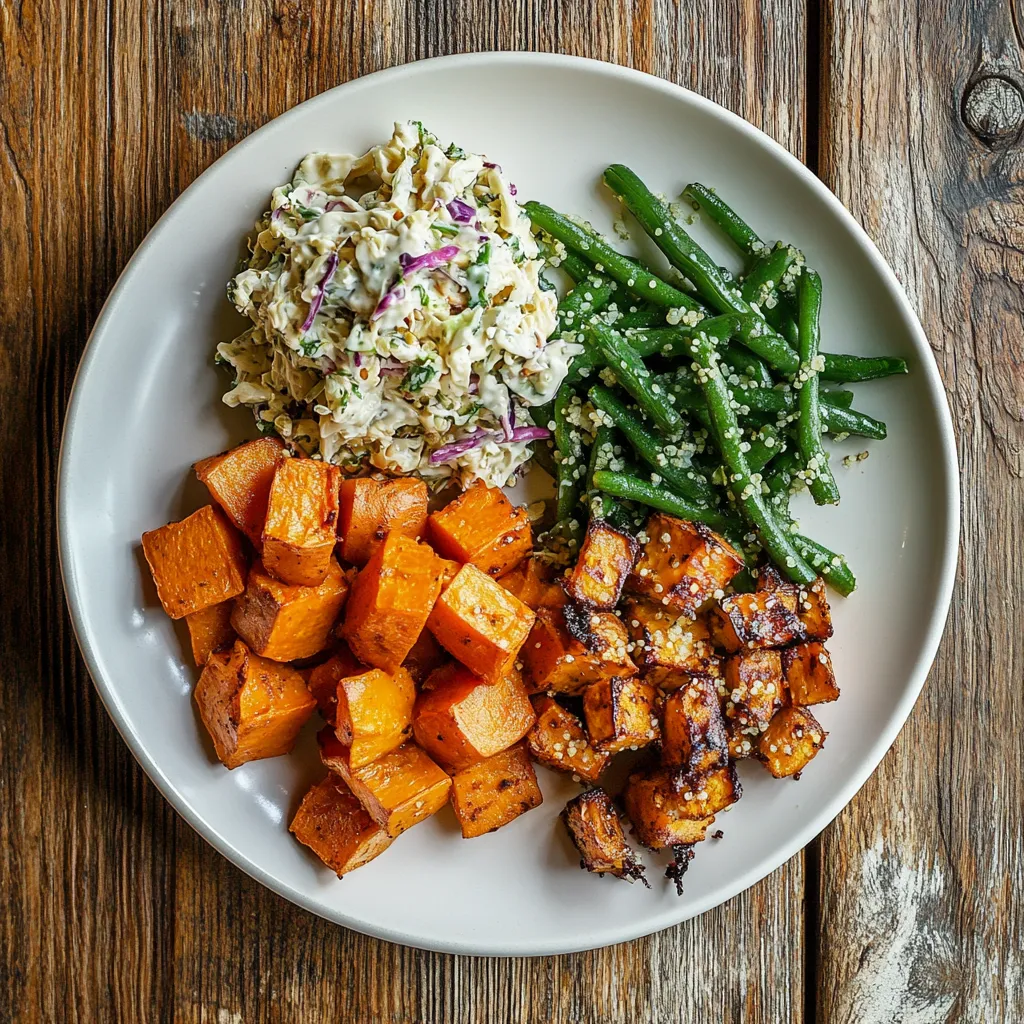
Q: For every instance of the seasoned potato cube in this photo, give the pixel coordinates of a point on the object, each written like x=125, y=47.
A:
x=595, y=828
x=754, y=690
x=693, y=733
x=533, y=582
x=397, y=790
x=448, y=569
x=480, y=623
x=426, y=656
x=483, y=527
x=559, y=741
x=459, y=719
x=683, y=565
x=563, y=660
x=302, y=521
x=809, y=602
x=370, y=509
x=792, y=738
x=196, y=562
x=334, y=825
x=323, y=680
x=210, y=630
x=751, y=621
x=669, y=647
x=391, y=599
x=252, y=708
x=494, y=792
x=605, y=562
x=285, y=622
x=807, y=669
x=239, y=481
x=620, y=713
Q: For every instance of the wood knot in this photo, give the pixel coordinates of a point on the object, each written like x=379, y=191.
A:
x=993, y=108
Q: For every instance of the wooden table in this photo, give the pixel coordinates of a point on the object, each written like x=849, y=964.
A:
x=905, y=909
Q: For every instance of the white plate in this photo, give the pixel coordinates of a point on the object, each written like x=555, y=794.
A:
x=145, y=406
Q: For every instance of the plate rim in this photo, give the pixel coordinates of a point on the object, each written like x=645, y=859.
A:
x=844, y=793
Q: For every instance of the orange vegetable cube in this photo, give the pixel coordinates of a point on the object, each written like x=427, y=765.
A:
x=210, y=630
x=323, y=680
x=285, y=622
x=753, y=690
x=533, y=582
x=370, y=509
x=807, y=669
x=302, y=521
x=491, y=793
x=373, y=713
x=559, y=741
x=669, y=647
x=251, y=707
x=595, y=828
x=426, y=656
x=334, y=825
x=605, y=562
x=810, y=602
x=793, y=737
x=448, y=569
x=483, y=527
x=766, y=618
x=620, y=713
x=693, y=735
x=239, y=481
x=480, y=623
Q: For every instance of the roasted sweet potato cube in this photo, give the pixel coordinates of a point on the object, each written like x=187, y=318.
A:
x=559, y=741
x=595, y=828
x=284, y=622
x=390, y=601
x=251, y=707
x=459, y=719
x=807, y=669
x=323, y=680
x=533, y=582
x=620, y=713
x=668, y=645
x=447, y=569
x=558, y=659
x=683, y=565
x=792, y=738
x=210, y=630
x=302, y=521
x=397, y=790
x=239, y=481
x=606, y=560
x=766, y=618
x=810, y=602
x=370, y=509
x=493, y=792
x=483, y=527
x=426, y=656
x=196, y=562
x=693, y=735
x=754, y=689
x=479, y=622
x=334, y=825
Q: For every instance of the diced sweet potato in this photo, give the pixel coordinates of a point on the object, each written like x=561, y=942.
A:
x=459, y=719
x=210, y=630
x=809, y=602
x=606, y=560
x=196, y=562
x=239, y=481
x=426, y=656
x=683, y=565
x=334, y=825
x=324, y=679
x=483, y=527
x=447, y=569
x=620, y=714
x=533, y=582
x=807, y=669
x=693, y=735
x=302, y=521
x=251, y=707
x=595, y=828
x=792, y=738
x=285, y=622
x=753, y=690
x=668, y=646
x=766, y=618
x=494, y=792
x=397, y=790
x=559, y=741
x=561, y=660
x=480, y=623
x=390, y=601
x=370, y=509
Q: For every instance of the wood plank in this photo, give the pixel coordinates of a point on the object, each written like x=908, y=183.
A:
x=920, y=920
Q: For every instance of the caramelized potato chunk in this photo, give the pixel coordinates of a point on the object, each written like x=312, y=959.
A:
x=426, y=656
x=766, y=618
x=669, y=647
x=494, y=792
x=370, y=509
x=605, y=562
x=595, y=828
x=324, y=679
x=693, y=735
x=533, y=582
x=252, y=708
x=791, y=740
x=753, y=690
x=809, y=602
x=620, y=713
x=807, y=669
x=196, y=562
x=210, y=630
x=559, y=741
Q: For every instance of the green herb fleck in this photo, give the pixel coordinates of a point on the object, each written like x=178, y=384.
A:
x=417, y=376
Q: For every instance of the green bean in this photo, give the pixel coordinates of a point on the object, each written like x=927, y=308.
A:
x=643, y=316
x=839, y=397
x=830, y=566
x=734, y=227
x=744, y=361
x=633, y=488
x=592, y=294
x=852, y=369
x=836, y=418
x=543, y=455
x=765, y=445
x=569, y=443
x=602, y=454
x=766, y=273
x=673, y=342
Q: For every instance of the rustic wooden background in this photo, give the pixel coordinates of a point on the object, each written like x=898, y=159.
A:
x=906, y=909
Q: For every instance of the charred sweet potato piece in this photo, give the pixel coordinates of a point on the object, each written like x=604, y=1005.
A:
x=285, y=622
x=683, y=565
x=559, y=741
x=302, y=521
x=239, y=481
x=210, y=630
x=483, y=527
x=606, y=560
x=251, y=707
x=754, y=689
x=494, y=792
x=323, y=680
x=693, y=735
x=807, y=669
x=196, y=562
x=397, y=790
x=766, y=618
x=479, y=622
x=668, y=646
x=334, y=825
x=426, y=656
x=533, y=582
x=370, y=509
x=390, y=601
x=595, y=828
x=620, y=713
x=792, y=738
x=459, y=719
x=810, y=602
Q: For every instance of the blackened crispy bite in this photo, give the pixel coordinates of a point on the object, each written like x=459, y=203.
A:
x=681, y=857
x=596, y=830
